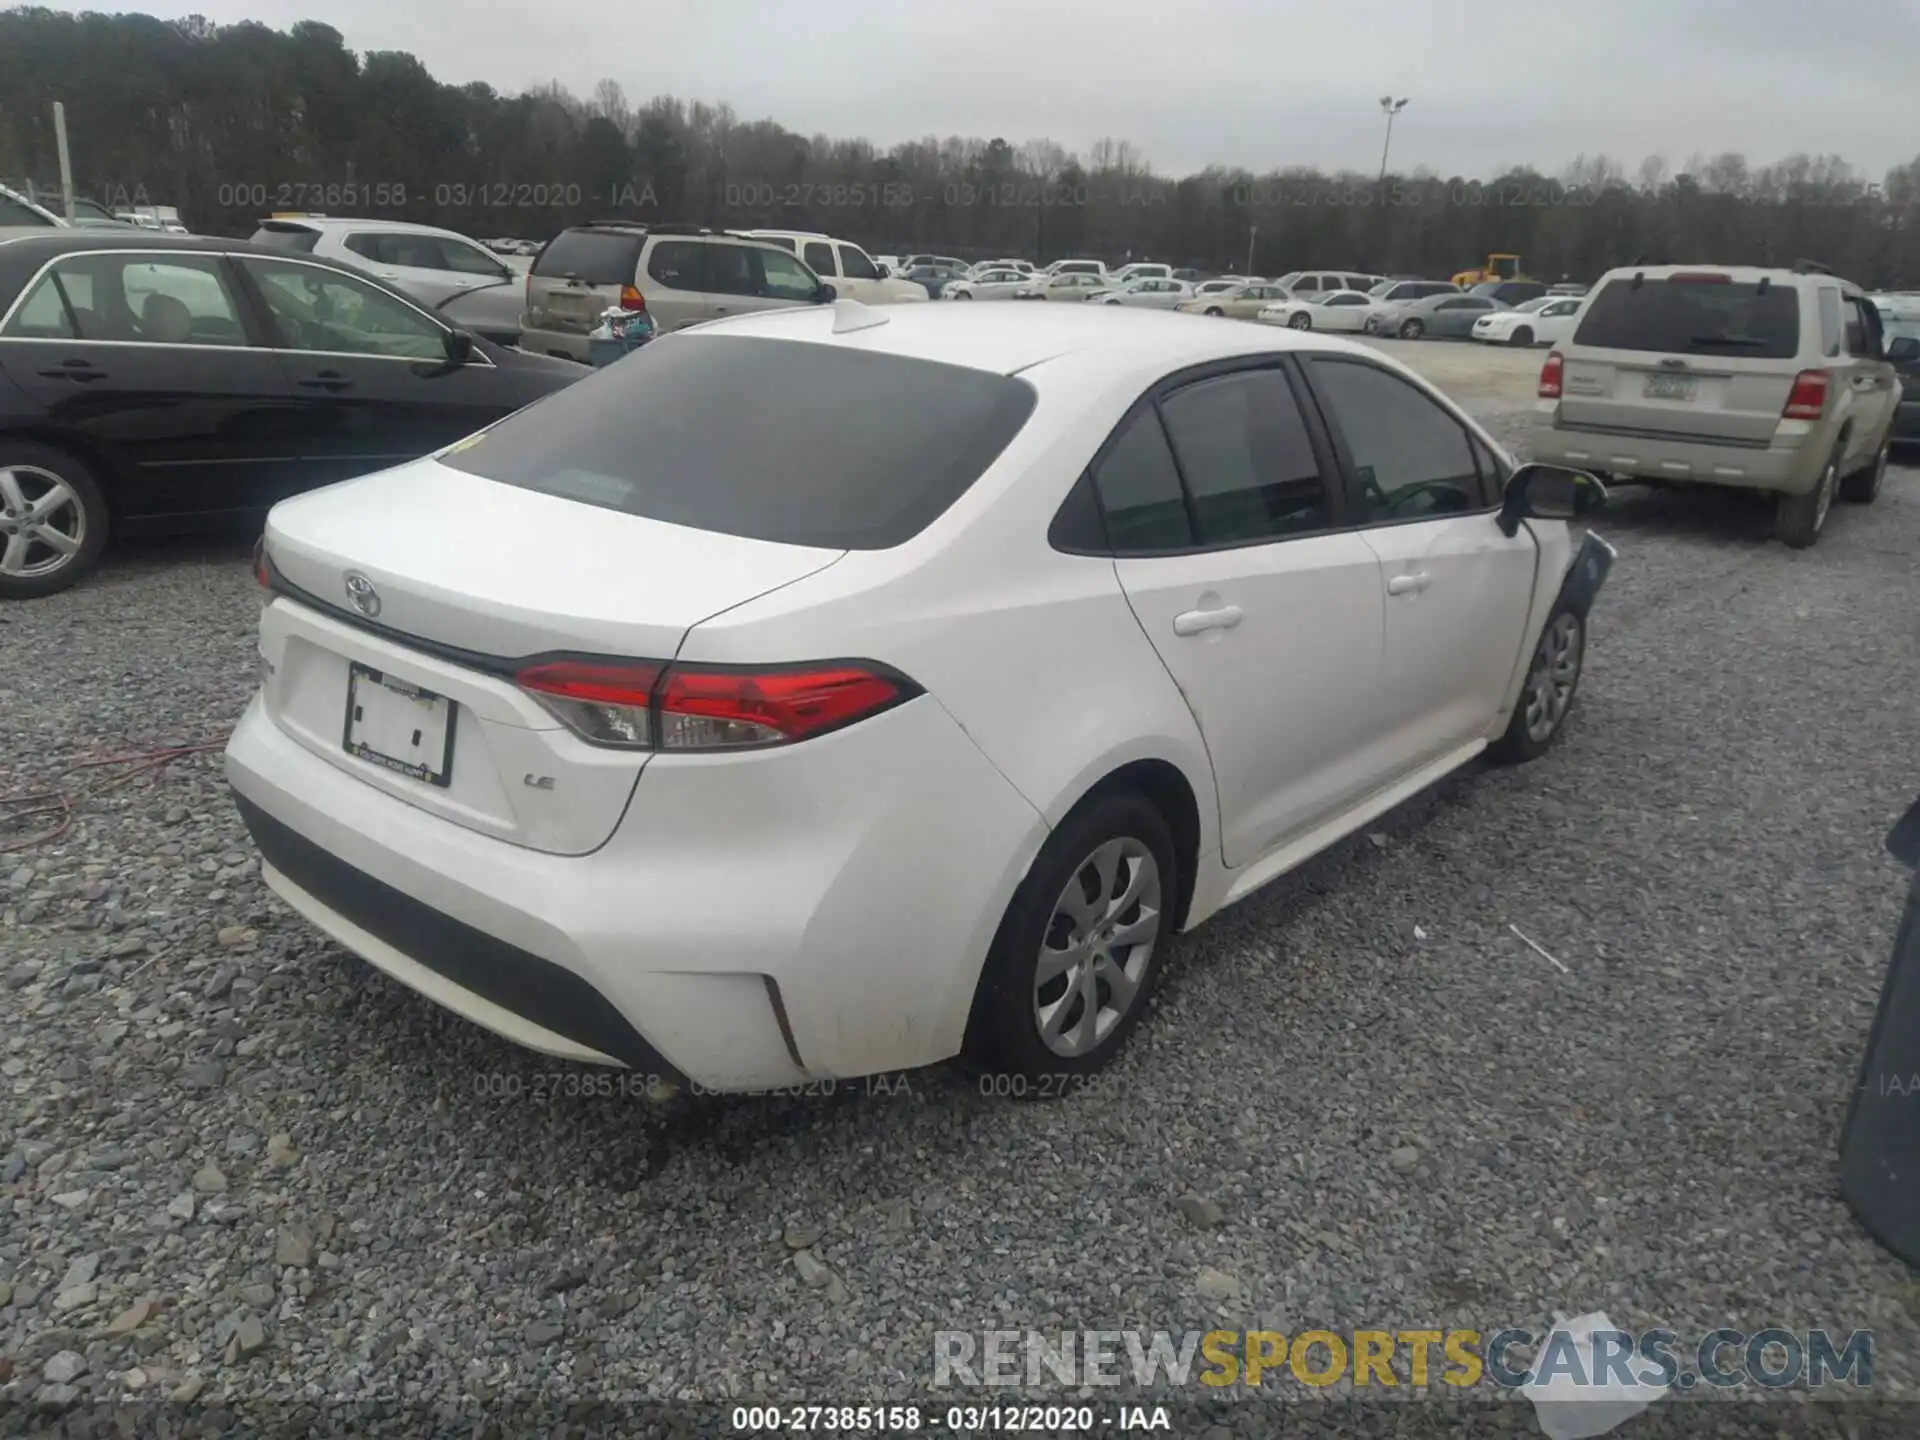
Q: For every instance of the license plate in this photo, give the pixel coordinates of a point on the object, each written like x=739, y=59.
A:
x=1670, y=387
x=399, y=726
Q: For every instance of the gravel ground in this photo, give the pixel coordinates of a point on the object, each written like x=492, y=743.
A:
x=236, y=1162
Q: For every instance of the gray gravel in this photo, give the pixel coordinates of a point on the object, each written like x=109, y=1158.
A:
x=234, y=1161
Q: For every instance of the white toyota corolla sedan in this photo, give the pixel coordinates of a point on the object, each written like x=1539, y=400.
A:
x=828, y=691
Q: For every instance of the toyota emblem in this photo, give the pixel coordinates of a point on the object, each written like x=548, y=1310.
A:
x=360, y=591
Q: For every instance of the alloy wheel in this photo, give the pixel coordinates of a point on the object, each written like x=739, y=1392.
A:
x=1097, y=946
x=42, y=522
x=1823, y=502
x=1555, y=672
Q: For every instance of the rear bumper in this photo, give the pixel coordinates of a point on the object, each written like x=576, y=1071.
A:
x=555, y=342
x=1790, y=464
x=815, y=913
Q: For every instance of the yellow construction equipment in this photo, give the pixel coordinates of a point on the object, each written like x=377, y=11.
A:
x=1498, y=267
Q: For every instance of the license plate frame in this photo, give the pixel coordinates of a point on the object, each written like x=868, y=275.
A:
x=379, y=707
x=1671, y=387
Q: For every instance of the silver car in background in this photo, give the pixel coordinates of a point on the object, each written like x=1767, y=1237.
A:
x=1152, y=293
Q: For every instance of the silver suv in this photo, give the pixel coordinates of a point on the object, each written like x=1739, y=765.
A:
x=679, y=274
x=1760, y=379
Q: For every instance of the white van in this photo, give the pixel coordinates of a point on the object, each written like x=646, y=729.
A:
x=843, y=265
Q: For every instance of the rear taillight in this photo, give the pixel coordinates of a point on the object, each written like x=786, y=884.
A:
x=632, y=299
x=262, y=572
x=643, y=706
x=1550, y=374
x=1808, y=398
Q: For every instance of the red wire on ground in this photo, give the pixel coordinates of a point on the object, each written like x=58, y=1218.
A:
x=47, y=802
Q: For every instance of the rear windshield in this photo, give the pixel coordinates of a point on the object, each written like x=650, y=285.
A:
x=297, y=238
x=782, y=440
x=1690, y=317
x=595, y=257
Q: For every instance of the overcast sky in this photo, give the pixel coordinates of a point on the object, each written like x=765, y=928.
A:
x=1261, y=83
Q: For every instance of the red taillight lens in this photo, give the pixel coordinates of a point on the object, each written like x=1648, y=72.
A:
x=726, y=710
x=632, y=299
x=1550, y=374
x=690, y=707
x=261, y=571
x=1808, y=398
x=602, y=704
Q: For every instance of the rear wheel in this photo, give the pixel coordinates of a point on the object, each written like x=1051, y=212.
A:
x=1412, y=330
x=962, y=295
x=1864, y=484
x=53, y=519
x=1523, y=336
x=1215, y=310
x=1079, y=948
x=1370, y=324
x=1799, y=519
x=1300, y=321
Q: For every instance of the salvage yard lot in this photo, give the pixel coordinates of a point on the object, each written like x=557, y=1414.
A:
x=1405, y=1116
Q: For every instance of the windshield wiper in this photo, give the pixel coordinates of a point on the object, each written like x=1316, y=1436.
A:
x=1731, y=342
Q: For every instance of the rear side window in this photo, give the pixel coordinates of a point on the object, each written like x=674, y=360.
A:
x=595, y=257
x=1830, y=329
x=819, y=257
x=1140, y=492
x=678, y=264
x=1688, y=317
x=767, y=439
x=297, y=238
x=1247, y=461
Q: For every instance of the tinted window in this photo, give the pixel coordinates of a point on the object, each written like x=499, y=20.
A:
x=678, y=264
x=855, y=265
x=1830, y=328
x=769, y=439
x=732, y=270
x=465, y=259
x=1243, y=451
x=1863, y=329
x=366, y=245
x=818, y=255
x=1410, y=458
x=1693, y=317
x=785, y=278
x=296, y=238
x=321, y=310
x=1140, y=491
x=785, y=242
x=595, y=257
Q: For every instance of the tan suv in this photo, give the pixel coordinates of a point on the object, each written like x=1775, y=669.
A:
x=1760, y=379
x=681, y=275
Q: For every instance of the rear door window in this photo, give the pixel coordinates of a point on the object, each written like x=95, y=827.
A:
x=819, y=256
x=679, y=264
x=1689, y=317
x=594, y=257
x=766, y=439
x=732, y=269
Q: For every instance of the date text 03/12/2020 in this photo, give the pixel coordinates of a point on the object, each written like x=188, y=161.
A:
x=948, y=1419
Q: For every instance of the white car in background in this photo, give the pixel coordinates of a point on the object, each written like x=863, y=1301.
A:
x=1073, y=267
x=1343, y=310
x=1545, y=320
x=915, y=737
x=1220, y=284
x=1140, y=270
x=843, y=265
x=1151, y=293
x=986, y=285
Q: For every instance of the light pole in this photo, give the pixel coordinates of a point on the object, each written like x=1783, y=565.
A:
x=1253, y=233
x=1390, y=107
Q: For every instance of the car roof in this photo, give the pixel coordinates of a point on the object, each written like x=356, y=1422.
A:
x=1006, y=339
x=1738, y=274
x=327, y=223
x=23, y=252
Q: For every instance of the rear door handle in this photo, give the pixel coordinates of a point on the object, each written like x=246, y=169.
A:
x=327, y=380
x=1407, y=584
x=75, y=370
x=1195, y=622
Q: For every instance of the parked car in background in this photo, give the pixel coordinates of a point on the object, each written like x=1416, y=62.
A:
x=457, y=276
x=1302, y=283
x=843, y=265
x=1902, y=340
x=1510, y=292
x=935, y=278
x=1149, y=293
x=1188, y=274
x=1242, y=302
x=1025, y=267
x=1547, y=320
x=1075, y=267
x=679, y=274
x=1134, y=615
x=1758, y=379
x=1222, y=282
x=1139, y=270
x=915, y=262
x=1068, y=285
x=1568, y=287
x=153, y=383
x=986, y=285
x=1338, y=310
x=1449, y=316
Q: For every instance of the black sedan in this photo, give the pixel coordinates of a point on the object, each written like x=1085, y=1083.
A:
x=152, y=383
x=1902, y=342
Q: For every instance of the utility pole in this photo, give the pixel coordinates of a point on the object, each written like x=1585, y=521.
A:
x=1253, y=233
x=1390, y=107
x=66, y=158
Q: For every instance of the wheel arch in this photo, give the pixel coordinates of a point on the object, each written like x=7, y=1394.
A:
x=1167, y=787
x=105, y=475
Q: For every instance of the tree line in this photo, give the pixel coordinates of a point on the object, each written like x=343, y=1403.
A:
x=231, y=123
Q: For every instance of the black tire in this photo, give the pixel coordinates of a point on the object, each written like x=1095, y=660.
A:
x=35, y=465
x=963, y=295
x=1300, y=320
x=1369, y=326
x=1539, y=717
x=1215, y=310
x=1799, y=519
x=1412, y=330
x=1522, y=337
x=1862, y=487
x=1004, y=1037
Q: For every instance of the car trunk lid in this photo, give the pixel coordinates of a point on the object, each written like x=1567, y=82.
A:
x=579, y=274
x=410, y=595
